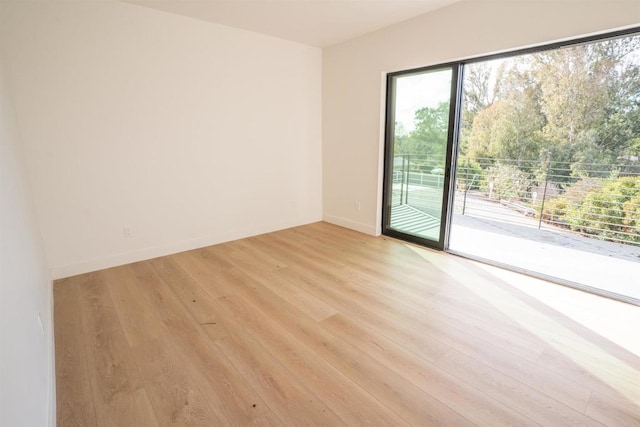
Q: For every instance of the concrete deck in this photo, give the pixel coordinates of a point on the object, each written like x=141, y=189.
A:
x=492, y=231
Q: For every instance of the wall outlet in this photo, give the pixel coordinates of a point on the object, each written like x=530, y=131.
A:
x=127, y=232
x=357, y=205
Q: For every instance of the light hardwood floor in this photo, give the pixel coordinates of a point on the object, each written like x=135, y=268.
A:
x=319, y=325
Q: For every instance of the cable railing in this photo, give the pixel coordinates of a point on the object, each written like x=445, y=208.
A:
x=590, y=199
x=418, y=181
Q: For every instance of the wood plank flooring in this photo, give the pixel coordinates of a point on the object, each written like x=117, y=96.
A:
x=319, y=325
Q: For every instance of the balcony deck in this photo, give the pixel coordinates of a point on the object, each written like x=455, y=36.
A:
x=411, y=220
x=493, y=233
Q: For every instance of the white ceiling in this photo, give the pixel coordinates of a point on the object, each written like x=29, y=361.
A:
x=314, y=22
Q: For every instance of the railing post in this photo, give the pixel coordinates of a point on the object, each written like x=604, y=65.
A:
x=466, y=189
x=406, y=196
x=544, y=196
x=401, y=180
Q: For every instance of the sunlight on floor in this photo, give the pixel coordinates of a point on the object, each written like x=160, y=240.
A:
x=612, y=320
x=617, y=321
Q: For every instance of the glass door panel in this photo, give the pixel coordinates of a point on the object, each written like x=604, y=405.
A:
x=419, y=140
x=546, y=181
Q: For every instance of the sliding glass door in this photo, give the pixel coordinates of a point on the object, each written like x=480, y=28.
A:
x=548, y=177
x=542, y=150
x=420, y=132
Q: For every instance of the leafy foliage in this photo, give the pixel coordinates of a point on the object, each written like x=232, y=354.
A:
x=631, y=220
x=577, y=105
x=506, y=182
x=429, y=137
x=610, y=210
x=470, y=173
x=568, y=111
x=555, y=210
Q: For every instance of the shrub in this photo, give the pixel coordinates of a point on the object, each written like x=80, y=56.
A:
x=576, y=192
x=632, y=217
x=609, y=211
x=556, y=209
x=470, y=174
x=506, y=182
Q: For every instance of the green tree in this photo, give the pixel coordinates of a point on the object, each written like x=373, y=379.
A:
x=590, y=98
x=400, y=137
x=479, y=93
x=574, y=91
x=429, y=138
x=508, y=129
x=578, y=105
x=506, y=182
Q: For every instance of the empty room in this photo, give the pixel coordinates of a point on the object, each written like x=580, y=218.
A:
x=323, y=213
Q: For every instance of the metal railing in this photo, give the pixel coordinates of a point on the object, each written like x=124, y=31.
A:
x=594, y=200
x=418, y=181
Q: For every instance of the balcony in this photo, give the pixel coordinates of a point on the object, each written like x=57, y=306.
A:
x=577, y=224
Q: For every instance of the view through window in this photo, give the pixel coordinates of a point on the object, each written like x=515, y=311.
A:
x=548, y=176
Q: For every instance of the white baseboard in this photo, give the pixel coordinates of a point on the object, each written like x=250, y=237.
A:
x=353, y=225
x=168, y=249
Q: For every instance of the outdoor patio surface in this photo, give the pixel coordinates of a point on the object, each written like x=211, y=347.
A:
x=492, y=231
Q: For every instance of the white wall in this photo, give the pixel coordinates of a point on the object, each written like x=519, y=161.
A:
x=354, y=74
x=189, y=133
x=26, y=349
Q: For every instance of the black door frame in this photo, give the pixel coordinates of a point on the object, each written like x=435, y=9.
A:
x=450, y=156
x=453, y=131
